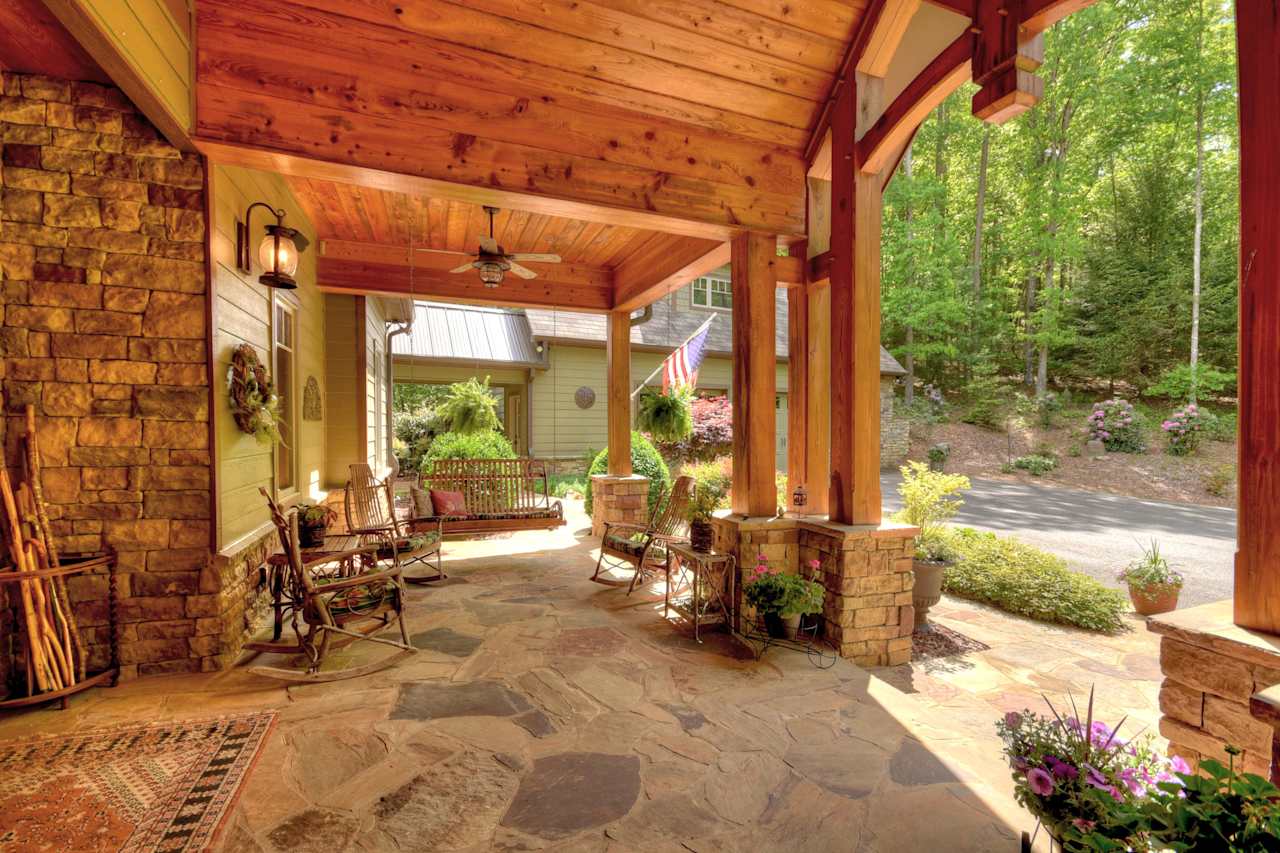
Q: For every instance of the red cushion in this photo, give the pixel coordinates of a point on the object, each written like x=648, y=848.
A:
x=448, y=503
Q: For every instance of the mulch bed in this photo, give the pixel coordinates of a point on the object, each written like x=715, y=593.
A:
x=940, y=642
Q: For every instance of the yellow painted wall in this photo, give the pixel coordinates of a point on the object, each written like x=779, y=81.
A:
x=561, y=430
x=155, y=37
x=243, y=314
x=343, y=392
x=443, y=374
x=375, y=387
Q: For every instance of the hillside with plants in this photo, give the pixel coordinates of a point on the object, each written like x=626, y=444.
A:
x=1091, y=243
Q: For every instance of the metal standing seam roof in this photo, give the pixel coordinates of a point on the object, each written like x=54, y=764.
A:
x=468, y=333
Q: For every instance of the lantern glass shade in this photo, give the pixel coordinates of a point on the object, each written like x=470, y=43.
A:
x=278, y=255
x=491, y=274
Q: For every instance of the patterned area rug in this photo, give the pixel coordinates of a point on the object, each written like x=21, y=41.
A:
x=164, y=787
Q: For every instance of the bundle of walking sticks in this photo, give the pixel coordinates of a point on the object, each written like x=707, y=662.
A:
x=55, y=652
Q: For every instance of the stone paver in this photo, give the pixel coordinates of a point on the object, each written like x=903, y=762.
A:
x=547, y=712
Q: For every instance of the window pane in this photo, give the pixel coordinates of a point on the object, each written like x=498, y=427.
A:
x=284, y=390
x=700, y=291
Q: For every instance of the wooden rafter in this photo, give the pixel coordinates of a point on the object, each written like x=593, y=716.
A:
x=662, y=266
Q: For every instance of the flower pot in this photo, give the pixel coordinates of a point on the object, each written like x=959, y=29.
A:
x=312, y=535
x=1154, y=600
x=775, y=626
x=928, y=588
x=701, y=534
x=792, y=626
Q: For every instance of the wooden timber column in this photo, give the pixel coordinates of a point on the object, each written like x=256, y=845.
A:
x=1257, y=576
x=619, y=358
x=754, y=373
x=809, y=394
x=855, y=326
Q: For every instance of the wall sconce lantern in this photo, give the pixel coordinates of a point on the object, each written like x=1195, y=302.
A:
x=799, y=497
x=277, y=253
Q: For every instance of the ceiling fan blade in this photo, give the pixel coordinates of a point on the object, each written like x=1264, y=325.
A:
x=535, y=257
x=468, y=265
x=523, y=272
x=490, y=245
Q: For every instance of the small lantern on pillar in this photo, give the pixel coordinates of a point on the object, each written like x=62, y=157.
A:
x=799, y=497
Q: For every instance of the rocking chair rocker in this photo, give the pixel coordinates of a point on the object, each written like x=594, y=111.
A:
x=636, y=546
x=339, y=608
x=369, y=504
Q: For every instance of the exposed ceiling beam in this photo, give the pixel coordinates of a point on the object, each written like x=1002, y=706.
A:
x=890, y=25
x=1039, y=15
x=946, y=73
x=844, y=77
x=436, y=262
x=663, y=266
x=335, y=275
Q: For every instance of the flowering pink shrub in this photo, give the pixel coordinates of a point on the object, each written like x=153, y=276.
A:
x=1115, y=423
x=1184, y=429
x=712, y=435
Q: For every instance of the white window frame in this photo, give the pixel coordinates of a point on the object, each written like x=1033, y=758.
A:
x=281, y=303
x=710, y=286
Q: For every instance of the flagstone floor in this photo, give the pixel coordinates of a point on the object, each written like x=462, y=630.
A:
x=547, y=712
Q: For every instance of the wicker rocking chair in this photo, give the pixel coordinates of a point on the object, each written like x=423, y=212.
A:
x=369, y=504
x=636, y=547
x=351, y=603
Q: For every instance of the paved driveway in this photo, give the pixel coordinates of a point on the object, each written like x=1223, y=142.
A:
x=1098, y=533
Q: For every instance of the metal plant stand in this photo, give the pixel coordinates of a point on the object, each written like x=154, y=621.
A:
x=711, y=585
x=808, y=640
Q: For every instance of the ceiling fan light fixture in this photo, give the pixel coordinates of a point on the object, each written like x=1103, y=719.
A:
x=490, y=273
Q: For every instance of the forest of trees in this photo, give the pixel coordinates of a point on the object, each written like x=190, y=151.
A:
x=1091, y=240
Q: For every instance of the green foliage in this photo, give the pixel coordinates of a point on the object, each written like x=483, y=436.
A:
x=938, y=455
x=1035, y=464
x=986, y=398
x=646, y=461
x=711, y=482
x=1118, y=425
x=416, y=397
x=316, y=514
x=666, y=417
x=470, y=407
x=1177, y=383
x=1026, y=581
x=1221, y=427
x=929, y=499
x=1218, y=481
x=475, y=445
x=1216, y=809
x=1151, y=569
x=414, y=431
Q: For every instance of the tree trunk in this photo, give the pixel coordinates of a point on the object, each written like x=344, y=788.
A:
x=909, y=395
x=1199, y=209
x=910, y=378
x=980, y=205
x=1028, y=346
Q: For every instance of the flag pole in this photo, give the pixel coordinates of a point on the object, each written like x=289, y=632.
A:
x=658, y=369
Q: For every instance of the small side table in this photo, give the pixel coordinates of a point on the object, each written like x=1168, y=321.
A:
x=712, y=572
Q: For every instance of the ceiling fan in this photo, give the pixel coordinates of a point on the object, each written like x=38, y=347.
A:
x=492, y=261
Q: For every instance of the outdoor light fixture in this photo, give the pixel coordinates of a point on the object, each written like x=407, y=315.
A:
x=491, y=273
x=799, y=497
x=278, y=252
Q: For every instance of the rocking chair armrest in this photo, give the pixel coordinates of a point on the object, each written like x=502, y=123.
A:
x=340, y=555
x=670, y=539
x=613, y=526
x=388, y=529
x=392, y=574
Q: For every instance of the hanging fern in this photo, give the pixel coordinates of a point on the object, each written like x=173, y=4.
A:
x=471, y=408
x=666, y=417
x=254, y=403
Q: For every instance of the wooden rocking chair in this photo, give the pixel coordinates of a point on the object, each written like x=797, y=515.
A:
x=369, y=504
x=637, y=546
x=351, y=603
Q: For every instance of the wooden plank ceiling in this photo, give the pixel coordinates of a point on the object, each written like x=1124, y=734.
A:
x=33, y=41
x=688, y=116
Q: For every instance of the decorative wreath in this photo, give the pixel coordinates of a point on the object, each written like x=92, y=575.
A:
x=254, y=403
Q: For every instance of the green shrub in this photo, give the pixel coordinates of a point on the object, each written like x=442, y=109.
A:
x=711, y=484
x=1218, y=481
x=471, y=407
x=1036, y=465
x=938, y=456
x=476, y=445
x=1020, y=579
x=413, y=434
x=986, y=398
x=1221, y=427
x=567, y=485
x=1176, y=384
x=1118, y=425
x=929, y=498
x=646, y=461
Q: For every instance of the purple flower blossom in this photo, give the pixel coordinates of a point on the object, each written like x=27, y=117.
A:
x=1179, y=764
x=1040, y=782
x=1083, y=825
x=1094, y=777
x=1061, y=769
x=1012, y=719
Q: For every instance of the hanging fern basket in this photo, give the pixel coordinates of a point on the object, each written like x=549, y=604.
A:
x=254, y=403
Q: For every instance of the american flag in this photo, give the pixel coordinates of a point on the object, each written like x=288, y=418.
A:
x=681, y=367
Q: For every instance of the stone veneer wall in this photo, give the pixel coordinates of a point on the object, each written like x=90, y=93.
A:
x=895, y=431
x=867, y=572
x=102, y=265
x=618, y=499
x=1211, y=669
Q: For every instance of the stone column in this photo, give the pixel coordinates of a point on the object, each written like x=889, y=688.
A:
x=618, y=499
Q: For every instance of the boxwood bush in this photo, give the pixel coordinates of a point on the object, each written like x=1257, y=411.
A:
x=476, y=445
x=645, y=461
x=1020, y=579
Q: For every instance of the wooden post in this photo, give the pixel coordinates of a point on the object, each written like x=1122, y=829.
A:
x=754, y=374
x=619, y=357
x=855, y=326
x=797, y=394
x=818, y=419
x=1257, y=576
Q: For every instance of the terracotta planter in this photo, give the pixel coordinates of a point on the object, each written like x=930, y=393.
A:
x=1154, y=600
x=928, y=588
x=701, y=535
x=792, y=624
